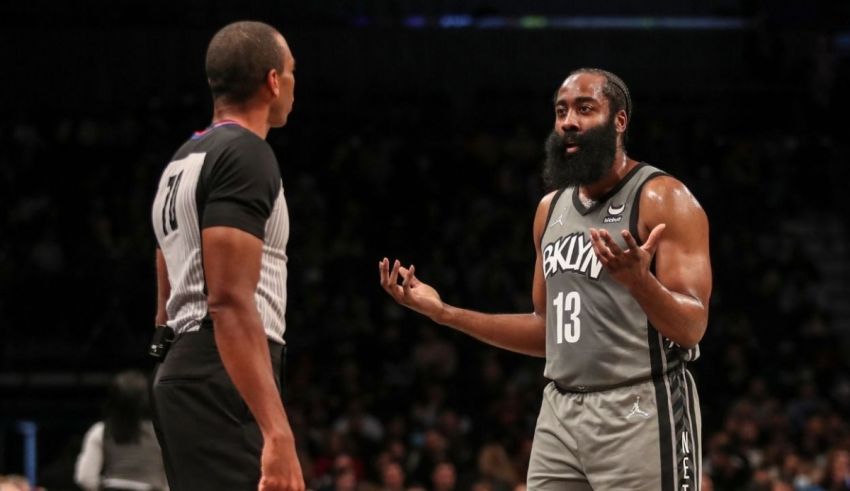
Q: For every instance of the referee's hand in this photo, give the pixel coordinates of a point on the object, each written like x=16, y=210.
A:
x=280, y=468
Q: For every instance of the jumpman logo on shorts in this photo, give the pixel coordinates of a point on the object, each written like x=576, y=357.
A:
x=636, y=410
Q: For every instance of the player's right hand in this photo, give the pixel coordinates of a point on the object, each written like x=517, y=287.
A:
x=411, y=293
x=279, y=467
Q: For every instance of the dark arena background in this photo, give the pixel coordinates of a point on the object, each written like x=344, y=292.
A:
x=418, y=133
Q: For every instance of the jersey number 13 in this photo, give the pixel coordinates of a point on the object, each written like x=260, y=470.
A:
x=567, y=309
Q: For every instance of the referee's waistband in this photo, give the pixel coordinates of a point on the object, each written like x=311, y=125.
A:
x=207, y=323
x=587, y=389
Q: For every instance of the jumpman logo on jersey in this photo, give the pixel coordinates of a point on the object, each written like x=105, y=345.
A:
x=636, y=410
x=559, y=220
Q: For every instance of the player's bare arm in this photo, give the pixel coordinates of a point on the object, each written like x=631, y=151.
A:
x=674, y=230
x=522, y=333
x=232, y=261
x=163, y=289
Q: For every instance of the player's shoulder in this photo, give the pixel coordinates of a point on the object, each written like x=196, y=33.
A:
x=547, y=200
x=543, y=212
x=666, y=190
x=544, y=206
x=666, y=199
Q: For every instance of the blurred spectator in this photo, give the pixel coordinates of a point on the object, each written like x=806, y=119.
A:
x=345, y=480
x=362, y=428
x=496, y=469
x=434, y=356
x=837, y=471
x=425, y=457
x=444, y=477
x=342, y=472
x=392, y=477
x=121, y=452
x=16, y=483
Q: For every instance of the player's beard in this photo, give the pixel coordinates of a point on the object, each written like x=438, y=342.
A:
x=595, y=156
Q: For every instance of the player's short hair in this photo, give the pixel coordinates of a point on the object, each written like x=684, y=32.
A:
x=239, y=57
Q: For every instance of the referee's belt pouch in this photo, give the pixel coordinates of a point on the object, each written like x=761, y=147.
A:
x=161, y=342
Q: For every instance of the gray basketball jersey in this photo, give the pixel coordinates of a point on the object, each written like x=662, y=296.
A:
x=597, y=335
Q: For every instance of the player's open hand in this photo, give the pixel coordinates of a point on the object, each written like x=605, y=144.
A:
x=411, y=293
x=626, y=266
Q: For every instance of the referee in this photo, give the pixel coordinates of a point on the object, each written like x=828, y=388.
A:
x=222, y=225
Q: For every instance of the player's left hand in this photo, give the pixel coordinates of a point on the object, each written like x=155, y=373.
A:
x=412, y=293
x=628, y=266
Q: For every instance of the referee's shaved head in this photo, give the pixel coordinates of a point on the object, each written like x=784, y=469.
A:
x=239, y=57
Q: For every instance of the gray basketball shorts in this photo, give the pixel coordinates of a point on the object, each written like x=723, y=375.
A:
x=642, y=437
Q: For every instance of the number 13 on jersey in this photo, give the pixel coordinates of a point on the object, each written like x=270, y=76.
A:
x=567, y=309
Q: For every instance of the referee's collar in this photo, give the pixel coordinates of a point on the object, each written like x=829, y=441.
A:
x=223, y=122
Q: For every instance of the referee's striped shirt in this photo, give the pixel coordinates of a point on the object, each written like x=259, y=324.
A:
x=223, y=176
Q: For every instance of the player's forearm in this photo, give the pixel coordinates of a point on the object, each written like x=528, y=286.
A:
x=244, y=350
x=681, y=318
x=522, y=333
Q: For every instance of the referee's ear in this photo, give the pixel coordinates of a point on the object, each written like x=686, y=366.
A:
x=273, y=82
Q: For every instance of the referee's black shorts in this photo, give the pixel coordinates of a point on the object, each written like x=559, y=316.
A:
x=209, y=438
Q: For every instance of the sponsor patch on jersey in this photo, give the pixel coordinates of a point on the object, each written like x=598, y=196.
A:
x=615, y=213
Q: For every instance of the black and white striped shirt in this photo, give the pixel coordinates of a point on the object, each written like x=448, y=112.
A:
x=223, y=176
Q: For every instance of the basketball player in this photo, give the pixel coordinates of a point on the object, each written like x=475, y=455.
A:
x=222, y=225
x=620, y=293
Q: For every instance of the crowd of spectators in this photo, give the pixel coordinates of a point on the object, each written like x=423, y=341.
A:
x=381, y=399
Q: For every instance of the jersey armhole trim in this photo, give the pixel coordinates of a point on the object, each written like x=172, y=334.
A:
x=633, y=220
x=549, y=213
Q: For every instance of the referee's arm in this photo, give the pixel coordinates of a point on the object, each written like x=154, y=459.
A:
x=163, y=289
x=232, y=264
